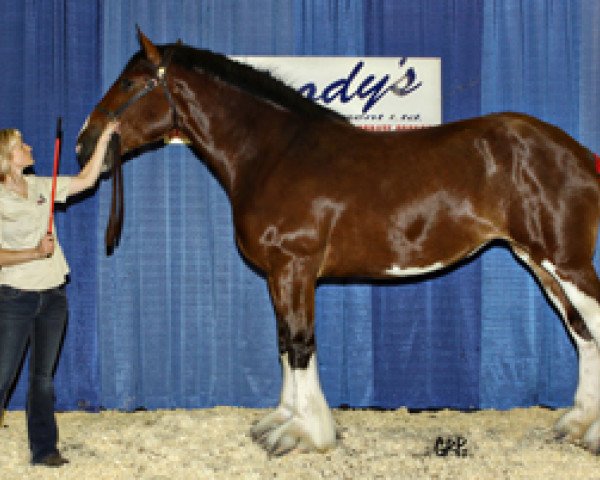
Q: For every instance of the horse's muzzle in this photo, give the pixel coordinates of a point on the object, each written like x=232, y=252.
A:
x=86, y=143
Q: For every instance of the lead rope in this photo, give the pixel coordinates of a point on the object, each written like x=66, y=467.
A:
x=115, y=219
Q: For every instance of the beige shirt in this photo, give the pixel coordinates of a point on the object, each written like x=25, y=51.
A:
x=23, y=222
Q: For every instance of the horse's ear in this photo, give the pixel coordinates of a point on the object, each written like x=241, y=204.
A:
x=149, y=48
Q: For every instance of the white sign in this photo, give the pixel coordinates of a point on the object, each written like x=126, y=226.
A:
x=376, y=93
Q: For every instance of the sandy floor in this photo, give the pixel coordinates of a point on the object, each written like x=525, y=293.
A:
x=213, y=444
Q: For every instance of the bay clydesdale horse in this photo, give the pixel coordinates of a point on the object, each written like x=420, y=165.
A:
x=313, y=196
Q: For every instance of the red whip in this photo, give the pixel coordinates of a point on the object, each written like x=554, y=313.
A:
x=55, y=172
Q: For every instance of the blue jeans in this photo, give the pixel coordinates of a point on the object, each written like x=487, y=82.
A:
x=38, y=318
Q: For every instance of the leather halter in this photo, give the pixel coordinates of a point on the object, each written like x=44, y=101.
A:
x=160, y=78
x=115, y=220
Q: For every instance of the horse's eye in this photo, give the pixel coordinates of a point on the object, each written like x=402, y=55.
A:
x=126, y=84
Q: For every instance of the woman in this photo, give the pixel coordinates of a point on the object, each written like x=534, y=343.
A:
x=33, y=305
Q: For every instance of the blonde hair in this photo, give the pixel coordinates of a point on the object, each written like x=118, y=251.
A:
x=9, y=137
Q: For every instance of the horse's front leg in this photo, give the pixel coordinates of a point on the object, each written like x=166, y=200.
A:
x=302, y=419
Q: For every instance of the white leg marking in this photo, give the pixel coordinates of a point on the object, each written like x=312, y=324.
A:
x=284, y=410
x=584, y=419
x=586, y=409
x=559, y=306
x=553, y=298
x=587, y=306
x=311, y=406
x=303, y=418
x=287, y=388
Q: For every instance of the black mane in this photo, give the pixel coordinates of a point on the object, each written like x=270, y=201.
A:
x=256, y=82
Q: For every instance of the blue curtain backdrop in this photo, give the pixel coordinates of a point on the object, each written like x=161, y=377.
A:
x=175, y=318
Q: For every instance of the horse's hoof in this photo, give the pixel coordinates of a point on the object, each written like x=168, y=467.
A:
x=263, y=441
x=560, y=436
x=293, y=435
x=591, y=440
x=259, y=432
x=255, y=433
x=263, y=427
x=282, y=447
x=592, y=447
x=573, y=426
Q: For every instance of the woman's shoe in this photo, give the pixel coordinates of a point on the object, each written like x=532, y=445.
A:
x=52, y=460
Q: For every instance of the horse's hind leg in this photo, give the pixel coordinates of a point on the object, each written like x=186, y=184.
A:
x=582, y=288
x=574, y=424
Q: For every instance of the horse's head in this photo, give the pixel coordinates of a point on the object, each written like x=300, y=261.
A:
x=140, y=98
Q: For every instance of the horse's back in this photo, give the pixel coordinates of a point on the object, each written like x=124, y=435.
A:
x=411, y=199
x=445, y=191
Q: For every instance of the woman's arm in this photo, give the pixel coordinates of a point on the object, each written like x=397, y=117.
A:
x=88, y=176
x=44, y=249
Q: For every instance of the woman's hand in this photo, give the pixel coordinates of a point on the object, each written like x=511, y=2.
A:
x=88, y=176
x=45, y=247
x=110, y=128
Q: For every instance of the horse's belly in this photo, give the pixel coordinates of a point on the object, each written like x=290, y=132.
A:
x=384, y=251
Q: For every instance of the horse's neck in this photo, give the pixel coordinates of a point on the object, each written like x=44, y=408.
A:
x=235, y=131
